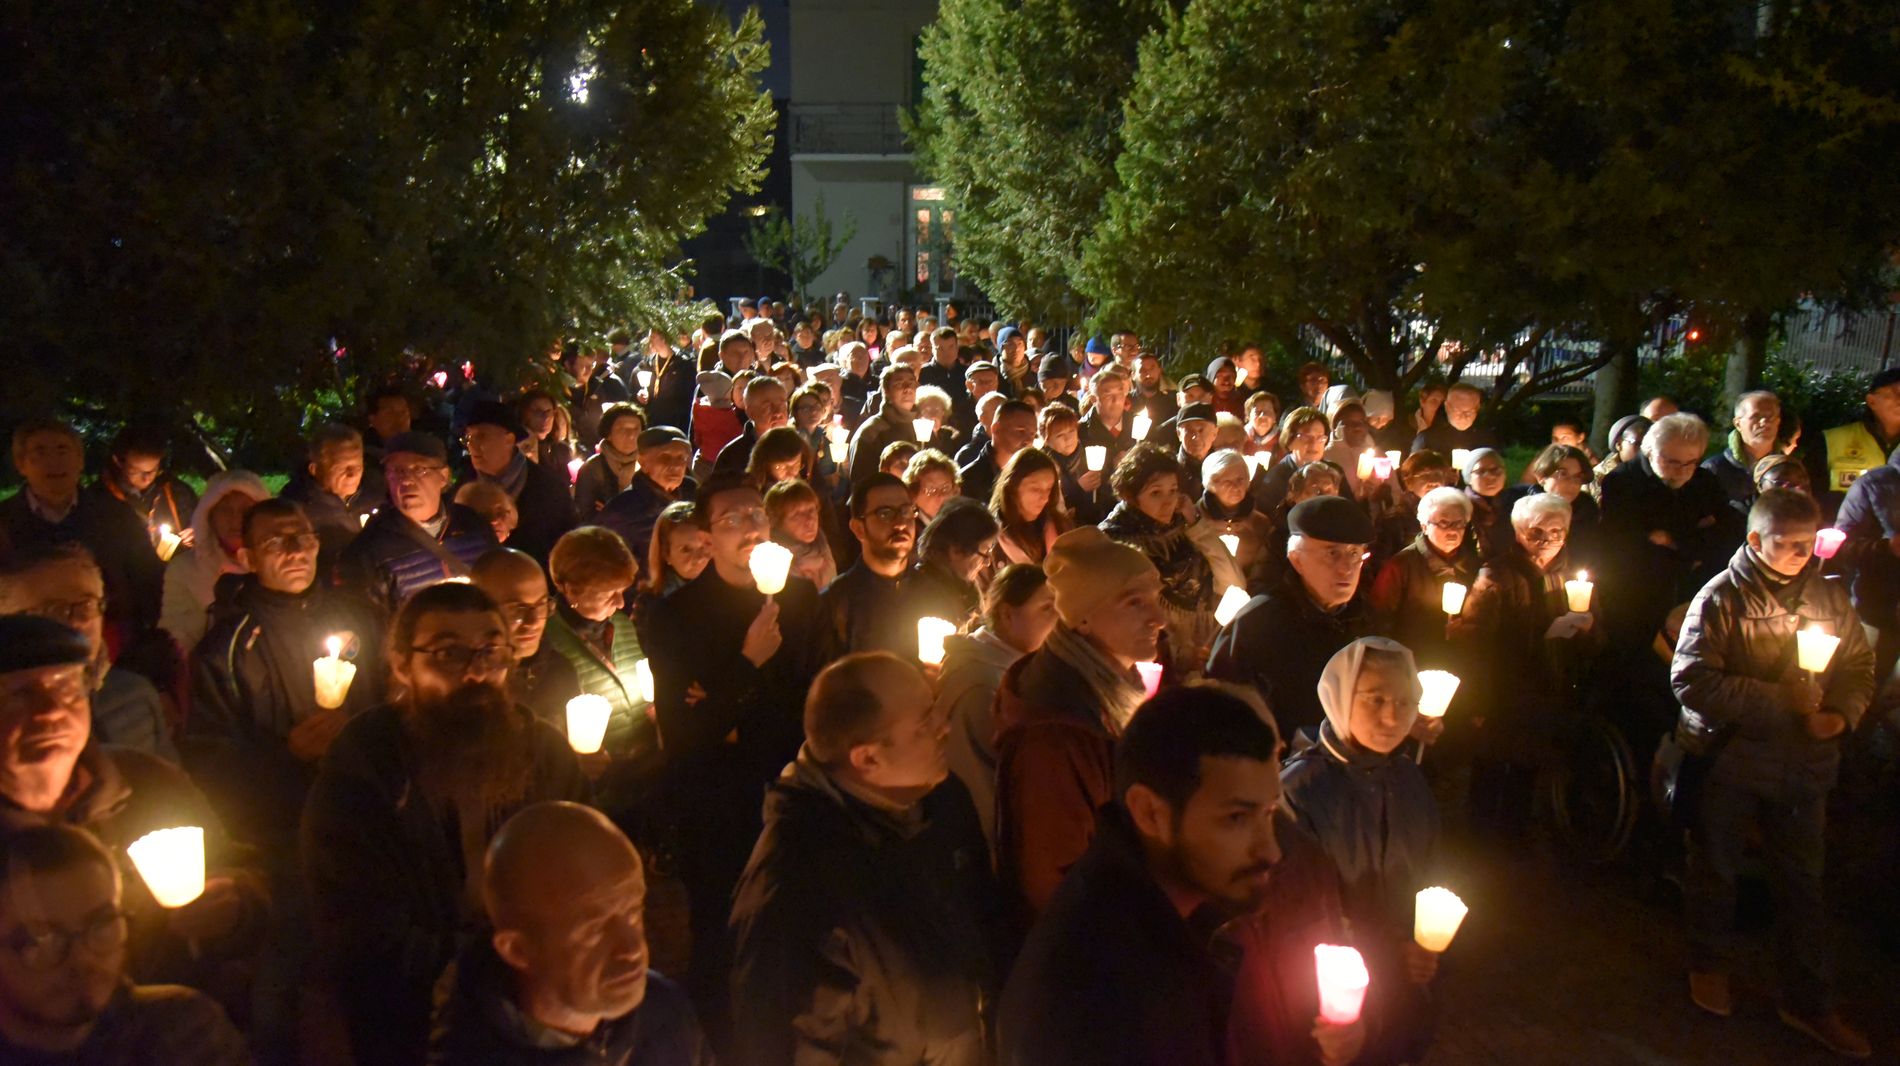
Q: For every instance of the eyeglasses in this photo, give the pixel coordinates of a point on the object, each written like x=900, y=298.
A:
x=72, y=613
x=1447, y=524
x=1565, y=476
x=893, y=515
x=104, y=931
x=290, y=542
x=937, y=491
x=521, y=614
x=1544, y=536
x=411, y=473
x=456, y=657
x=750, y=518
x=1487, y=470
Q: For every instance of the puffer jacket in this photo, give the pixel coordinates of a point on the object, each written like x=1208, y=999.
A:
x=1738, y=648
x=1870, y=516
x=394, y=557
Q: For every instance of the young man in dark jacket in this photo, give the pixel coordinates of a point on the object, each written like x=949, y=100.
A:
x=563, y=978
x=402, y=810
x=421, y=538
x=866, y=608
x=1770, y=728
x=866, y=921
x=1120, y=969
x=540, y=492
x=135, y=475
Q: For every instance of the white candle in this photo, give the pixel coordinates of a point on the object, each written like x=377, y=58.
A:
x=1256, y=460
x=643, y=679
x=644, y=377
x=1395, y=457
x=1453, y=598
x=1365, y=465
x=1230, y=604
x=172, y=863
x=1231, y=542
x=924, y=428
x=1459, y=457
x=931, y=633
x=1578, y=591
x=441, y=379
x=1097, y=456
x=587, y=716
x=1381, y=467
x=1828, y=541
x=837, y=434
x=1437, y=687
x=840, y=450
x=574, y=469
x=1436, y=917
x=363, y=519
x=769, y=564
x=1342, y=982
x=1814, y=647
x=167, y=543
x=333, y=675
x=1150, y=677
x=1142, y=424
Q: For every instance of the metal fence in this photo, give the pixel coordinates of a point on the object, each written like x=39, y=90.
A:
x=846, y=129
x=1831, y=341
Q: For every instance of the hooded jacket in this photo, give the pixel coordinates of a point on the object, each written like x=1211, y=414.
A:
x=1870, y=516
x=1280, y=642
x=863, y=934
x=973, y=669
x=1738, y=648
x=192, y=575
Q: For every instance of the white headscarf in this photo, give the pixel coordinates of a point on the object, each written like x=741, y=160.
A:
x=1341, y=675
x=193, y=573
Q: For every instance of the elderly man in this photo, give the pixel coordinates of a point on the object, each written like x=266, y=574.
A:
x=542, y=679
x=986, y=409
x=256, y=730
x=1666, y=528
x=64, y=993
x=865, y=921
x=51, y=510
x=53, y=772
x=1768, y=733
x=1115, y=972
x=539, y=492
x=564, y=973
x=1060, y=709
x=402, y=809
x=1280, y=642
x=339, y=495
x=64, y=584
x=1195, y=427
x=898, y=387
x=1457, y=424
x=767, y=407
x=665, y=455
x=1012, y=430
x=1757, y=433
x=421, y=537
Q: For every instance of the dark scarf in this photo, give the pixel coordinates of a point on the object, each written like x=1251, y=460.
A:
x=1213, y=508
x=1187, y=582
x=513, y=479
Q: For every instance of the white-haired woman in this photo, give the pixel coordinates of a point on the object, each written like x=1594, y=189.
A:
x=1522, y=645
x=1227, y=509
x=935, y=404
x=1485, y=479
x=1408, y=596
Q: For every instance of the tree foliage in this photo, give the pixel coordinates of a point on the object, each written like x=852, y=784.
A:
x=200, y=197
x=802, y=247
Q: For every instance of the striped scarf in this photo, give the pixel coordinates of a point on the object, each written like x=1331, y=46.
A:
x=1112, y=692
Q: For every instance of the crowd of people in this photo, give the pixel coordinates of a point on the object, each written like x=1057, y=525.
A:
x=833, y=687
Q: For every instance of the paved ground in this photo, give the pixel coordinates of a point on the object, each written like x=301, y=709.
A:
x=1557, y=967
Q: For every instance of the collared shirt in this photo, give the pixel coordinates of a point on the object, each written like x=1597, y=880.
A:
x=45, y=510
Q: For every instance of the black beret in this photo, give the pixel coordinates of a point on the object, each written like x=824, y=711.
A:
x=1196, y=412
x=658, y=437
x=1331, y=518
x=29, y=642
x=495, y=413
x=1885, y=378
x=416, y=443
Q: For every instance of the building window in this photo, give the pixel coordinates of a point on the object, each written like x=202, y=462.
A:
x=926, y=193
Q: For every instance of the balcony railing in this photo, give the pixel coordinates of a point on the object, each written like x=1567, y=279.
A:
x=847, y=129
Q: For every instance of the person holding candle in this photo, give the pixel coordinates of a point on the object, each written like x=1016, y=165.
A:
x=1029, y=504
x=865, y=922
x=65, y=995
x=1870, y=556
x=592, y=569
x=135, y=475
x=1119, y=968
x=550, y=429
x=1457, y=423
x=1768, y=734
x=1281, y=641
x=1394, y=504
x=615, y=462
x=1408, y=596
x=1226, y=509
x=1564, y=469
x=421, y=784
x=797, y=515
x=660, y=482
x=192, y=578
x=1353, y=449
x=1356, y=786
x=420, y=538
x=730, y=667
x=865, y=609
x=955, y=558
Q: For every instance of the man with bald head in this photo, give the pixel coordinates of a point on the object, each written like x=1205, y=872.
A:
x=864, y=922
x=565, y=969
x=542, y=679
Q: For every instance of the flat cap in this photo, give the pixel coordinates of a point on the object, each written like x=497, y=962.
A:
x=29, y=642
x=658, y=437
x=1196, y=412
x=1331, y=518
x=415, y=443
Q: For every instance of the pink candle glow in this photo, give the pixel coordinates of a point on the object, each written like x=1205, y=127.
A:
x=1342, y=982
x=1828, y=541
x=1150, y=677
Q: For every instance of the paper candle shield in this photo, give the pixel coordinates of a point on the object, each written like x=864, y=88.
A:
x=1097, y=456
x=587, y=722
x=167, y=544
x=1438, y=686
x=1231, y=543
x=931, y=633
x=1814, y=648
x=924, y=428
x=1342, y=982
x=643, y=679
x=1230, y=604
x=574, y=470
x=1828, y=541
x=769, y=564
x=1142, y=424
x=1365, y=464
x=1453, y=597
x=1150, y=677
x=1436, y=917
x=172, y=863
x=1459, y=457
x=840, y=450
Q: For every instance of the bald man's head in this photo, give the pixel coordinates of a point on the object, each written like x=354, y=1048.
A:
x=520, y=587
x=566, y=894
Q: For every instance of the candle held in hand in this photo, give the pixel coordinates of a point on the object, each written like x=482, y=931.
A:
x=1578, y=591
x=644, y=377
x=1097, y=456
x=1454, y=597
x=1142, y=424
x=1395, y=457
x=769, y=564
x=1828, y=541
x=840, y=451
x=1150, y=677
x=924, y=428
x=333, y=675
x=167, y=544
x=643, y=679
x=1814, y=647
x=1342, y=982
x=1231, y=542
x=1436, y=917
x=587, y=716
x=1230, y=604
x=1438, y=687
x=1381, y=468
x=1365, y=464
x=1459, y=457
x=171, y=862
x=931, y=633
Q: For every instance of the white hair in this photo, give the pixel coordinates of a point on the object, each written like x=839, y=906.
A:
x=1444, y=496
x=929, y=394
x=1529, y=510
x=845, y=352
x=1681, y=427
x=1758, y=394
x=1219, y=462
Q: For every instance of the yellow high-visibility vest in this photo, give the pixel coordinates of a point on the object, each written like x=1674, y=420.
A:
x=1852, y=450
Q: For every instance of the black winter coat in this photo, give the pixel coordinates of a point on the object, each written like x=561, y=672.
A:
x=338, y=521
x=1737, y=650
x=635, y=510
x=395, y=557
x=113, y=532
x=1641, y=581
x=863, y=937
x=866, y=611
x=1281, y=642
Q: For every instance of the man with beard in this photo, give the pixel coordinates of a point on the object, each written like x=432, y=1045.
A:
x=660, y=482
x=864, y=608
x=542, y=679
x=540, y=492
x=340, y=494
x=421, y=537
x=565, y=972
x=1118, y=969
x=1457, y=427
x=402, y=811
x=64, y=994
